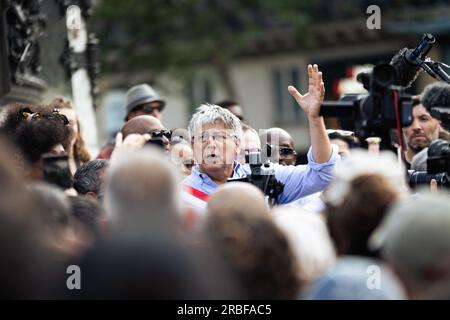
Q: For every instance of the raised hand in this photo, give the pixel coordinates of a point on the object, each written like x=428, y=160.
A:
x=130, y=143
x=311, y=101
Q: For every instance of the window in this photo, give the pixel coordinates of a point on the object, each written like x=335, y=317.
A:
x=285, y=107
x=199, y=91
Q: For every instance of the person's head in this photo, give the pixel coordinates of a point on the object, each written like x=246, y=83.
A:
x=142, y=99
x=35, y=131
x=238, y=197
x=257, y=252
x=144, y=267
x=142, y=193
x=182, y=156
x=437, y=95
x=250, y=142
x=363, y=189
x=423, y=130
x=233, y=107
x=282, y=145
x=416, y=242
x=216, y=138
x=57, y=218
x=148, y=124
x=88, y=217
x=356, y=278
x=88, y=179
x=343, y=139
x=309, y=239
x=66, y=108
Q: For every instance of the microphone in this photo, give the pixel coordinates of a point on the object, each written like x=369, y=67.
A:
x=407, y=62
x=407, y=73
x=415, y=56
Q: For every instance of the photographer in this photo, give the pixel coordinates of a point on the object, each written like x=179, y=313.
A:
x=216, y=140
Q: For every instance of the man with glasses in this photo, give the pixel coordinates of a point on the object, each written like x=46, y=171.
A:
x=216, y=139
x=142, y=99
x=281, y=145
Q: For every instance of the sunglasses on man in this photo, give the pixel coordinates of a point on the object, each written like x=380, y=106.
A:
x=287, y=152
x=282, y=151
x=148, y=108
x=158, y=134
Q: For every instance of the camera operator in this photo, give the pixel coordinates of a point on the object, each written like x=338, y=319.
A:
x=216, y=140
x=423, y=130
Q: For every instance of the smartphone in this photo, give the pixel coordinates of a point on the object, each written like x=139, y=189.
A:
x=56, y=170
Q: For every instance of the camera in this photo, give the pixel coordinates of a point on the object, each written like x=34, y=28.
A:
x=262, y=176
x=376, y=113
x=386, y=106
x=56, y=170
x=438, y=166
x=157, y=137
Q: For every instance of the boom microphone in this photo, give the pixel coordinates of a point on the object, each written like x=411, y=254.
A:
x=407, y=62
x=407, y=73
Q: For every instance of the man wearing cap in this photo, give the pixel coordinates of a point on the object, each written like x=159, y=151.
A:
x=142, y=99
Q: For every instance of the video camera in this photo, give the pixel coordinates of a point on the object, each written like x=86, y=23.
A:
x=386, y=106
x=438, y=166
x=262, y=176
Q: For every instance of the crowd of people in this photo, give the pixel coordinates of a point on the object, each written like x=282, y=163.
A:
x=155, y=216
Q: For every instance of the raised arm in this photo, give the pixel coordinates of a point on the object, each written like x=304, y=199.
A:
x=310, y=103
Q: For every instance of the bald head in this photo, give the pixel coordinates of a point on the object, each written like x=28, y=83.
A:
x=142, y=192
x=284, y=148
x=278, y=135
x=238, y=197
x=141, y=124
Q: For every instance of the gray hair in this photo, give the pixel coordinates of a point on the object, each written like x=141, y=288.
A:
x=212, y=114
x=87, y=178
x=416, y=235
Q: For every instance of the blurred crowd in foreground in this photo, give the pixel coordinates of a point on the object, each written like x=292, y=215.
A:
x=154, y=216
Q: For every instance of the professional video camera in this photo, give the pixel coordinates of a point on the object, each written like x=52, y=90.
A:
x=438, y=166
x=386, y=106
x=262, y=176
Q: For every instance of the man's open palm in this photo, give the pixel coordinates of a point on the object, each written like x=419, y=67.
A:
x=311, y=101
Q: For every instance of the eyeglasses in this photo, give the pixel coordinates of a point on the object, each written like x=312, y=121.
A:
x=28, y=114
x=158, y=134
x=282, y=151
x=286, y=152
x=217, y=136
x=149, y=108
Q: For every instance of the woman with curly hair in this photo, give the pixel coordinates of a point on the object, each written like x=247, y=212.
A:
x=76, y=150
x=35, y=131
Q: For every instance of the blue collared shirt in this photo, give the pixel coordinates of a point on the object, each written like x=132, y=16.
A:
x=299, y=181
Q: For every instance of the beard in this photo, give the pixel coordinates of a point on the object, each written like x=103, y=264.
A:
x=419, y=146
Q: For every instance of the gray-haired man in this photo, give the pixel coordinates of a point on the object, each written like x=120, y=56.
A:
x=216, y=135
